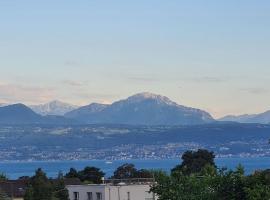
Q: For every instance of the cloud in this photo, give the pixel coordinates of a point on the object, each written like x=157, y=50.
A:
x=72, y=83
x=212, y=79
x=143, y=79
x=12, y=93
x=255, y=90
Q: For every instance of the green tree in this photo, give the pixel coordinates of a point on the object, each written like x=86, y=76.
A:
x=72, y=173
x=231, y=184
x=259, y=191
x=3, y=177
x=91, y=175
x=125, y=171
x=29, y=193
x=257, y=185
x=195, y=161
x=179, y=186
x=144, y=173
x=60, y=192
x=40, y=188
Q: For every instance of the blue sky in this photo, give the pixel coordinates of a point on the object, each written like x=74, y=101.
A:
x=213, y=55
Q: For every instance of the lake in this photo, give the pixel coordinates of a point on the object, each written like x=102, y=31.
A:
x=17, y=169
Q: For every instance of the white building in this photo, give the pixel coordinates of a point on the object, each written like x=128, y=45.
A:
x=109, y=191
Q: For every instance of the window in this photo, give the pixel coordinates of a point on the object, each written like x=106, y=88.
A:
x=76, y=195
x=89, y=196
x=128, y=196
x=99, y=196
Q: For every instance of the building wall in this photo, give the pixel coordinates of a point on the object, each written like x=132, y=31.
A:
x=83, y=189
x=123, y=192
x=128, y=192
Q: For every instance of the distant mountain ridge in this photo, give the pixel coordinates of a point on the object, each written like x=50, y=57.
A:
x=262, y=118
x=21, y=114
x=141, y=109
x=86, y=112
x=53, y=108
x=18, y=114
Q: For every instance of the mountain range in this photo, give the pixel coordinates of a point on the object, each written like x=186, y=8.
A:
x=262, y=118
x=21, y=114
x=139, y=109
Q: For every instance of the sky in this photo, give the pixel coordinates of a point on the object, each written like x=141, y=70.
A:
x=208, y=54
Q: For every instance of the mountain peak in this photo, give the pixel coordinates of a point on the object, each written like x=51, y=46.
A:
x=54, y=107
x=141, y=109
x=147, y=95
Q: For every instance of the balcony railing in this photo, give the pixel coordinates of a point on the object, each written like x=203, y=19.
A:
x=131, y=181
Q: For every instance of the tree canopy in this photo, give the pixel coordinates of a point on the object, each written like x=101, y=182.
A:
x=40, y=188
x=88, y=174
x=198, y=178
x=195, y=161
x=127, y=171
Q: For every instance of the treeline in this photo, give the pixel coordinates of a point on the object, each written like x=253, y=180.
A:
x=40, y=187
x=198, y=178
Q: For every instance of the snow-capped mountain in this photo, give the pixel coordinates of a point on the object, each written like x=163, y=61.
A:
x=262, y=118
x=141, y=109
x=53, y=108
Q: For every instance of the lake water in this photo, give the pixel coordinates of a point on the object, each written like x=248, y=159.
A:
x=17, y=169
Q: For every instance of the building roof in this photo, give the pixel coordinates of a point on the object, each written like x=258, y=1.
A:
x=14, y=188
x=17, y=188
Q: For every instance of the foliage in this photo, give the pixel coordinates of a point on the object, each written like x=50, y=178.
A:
x=179, y=186
x=72, y=173
x=60, y=192
x=3, y=177
x=195, y=161
x=40, y=188
x=87, y=175
x=190, y=181
x=91, y=175
x=127, y=171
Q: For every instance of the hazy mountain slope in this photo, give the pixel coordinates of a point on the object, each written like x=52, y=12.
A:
x=262, y=118
x=146, y=109
x=235, y=118
x=21, y=114
x=18, y=114
x=53, y=108
x=86, y=113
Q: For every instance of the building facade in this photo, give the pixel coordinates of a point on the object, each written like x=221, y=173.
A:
x=119, y=191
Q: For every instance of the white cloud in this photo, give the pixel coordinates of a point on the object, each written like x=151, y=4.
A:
x=255, y=90
x=73, y=83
